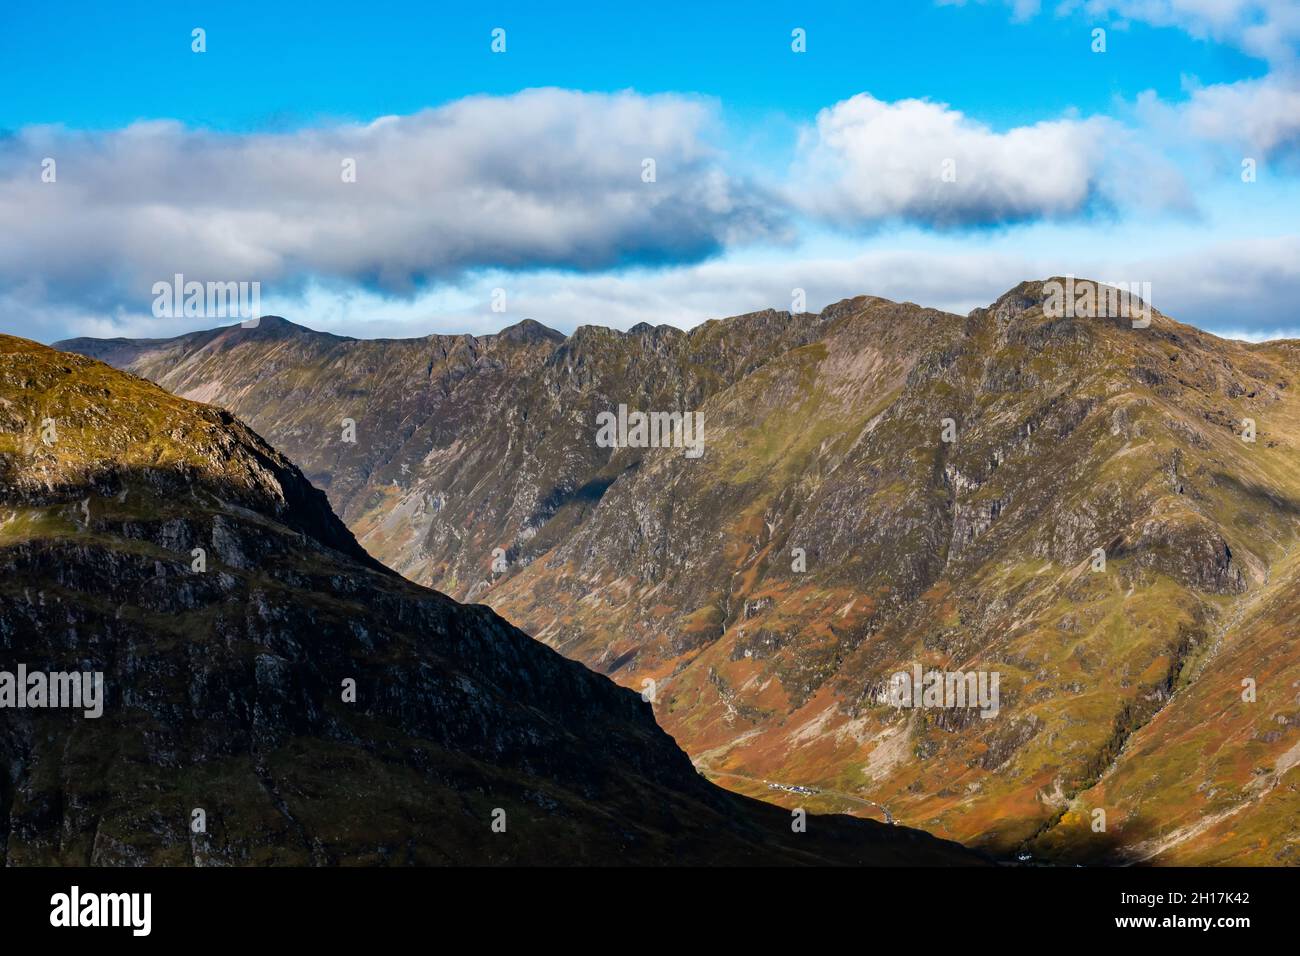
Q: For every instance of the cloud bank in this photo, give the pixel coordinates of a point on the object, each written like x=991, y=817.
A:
x=544, y=178
x=545, y=193
x=1240, y=289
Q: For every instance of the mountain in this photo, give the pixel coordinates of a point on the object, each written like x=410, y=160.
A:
x=830, y=537
x=273, y=695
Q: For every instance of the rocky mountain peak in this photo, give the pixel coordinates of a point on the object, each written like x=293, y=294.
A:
x=529, y=331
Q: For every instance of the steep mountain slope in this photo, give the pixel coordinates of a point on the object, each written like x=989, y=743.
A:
x=462, y=444
x=1211, y=778
x=1218, y=760
x=164, y=544
x=829, y=537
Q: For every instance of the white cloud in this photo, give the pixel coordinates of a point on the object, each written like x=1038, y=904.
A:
x=1269, y=29
x=1262, y=116
x=867, y=161
x=1227, y=123
x=541, y=178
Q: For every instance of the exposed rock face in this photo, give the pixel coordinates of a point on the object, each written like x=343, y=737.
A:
x=165, y=545
x=830, y=536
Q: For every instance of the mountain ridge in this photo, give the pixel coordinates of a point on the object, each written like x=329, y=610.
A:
x=163, y=544
x=823, y=434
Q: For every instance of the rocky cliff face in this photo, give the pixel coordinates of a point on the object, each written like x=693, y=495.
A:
x=271, y=695
x=882, y=485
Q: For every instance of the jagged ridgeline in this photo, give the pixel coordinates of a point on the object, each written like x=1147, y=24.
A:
x=1102, y=510
x=260, y=691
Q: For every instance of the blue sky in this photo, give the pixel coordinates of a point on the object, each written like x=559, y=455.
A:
x=522, y=171
x=293, y=64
